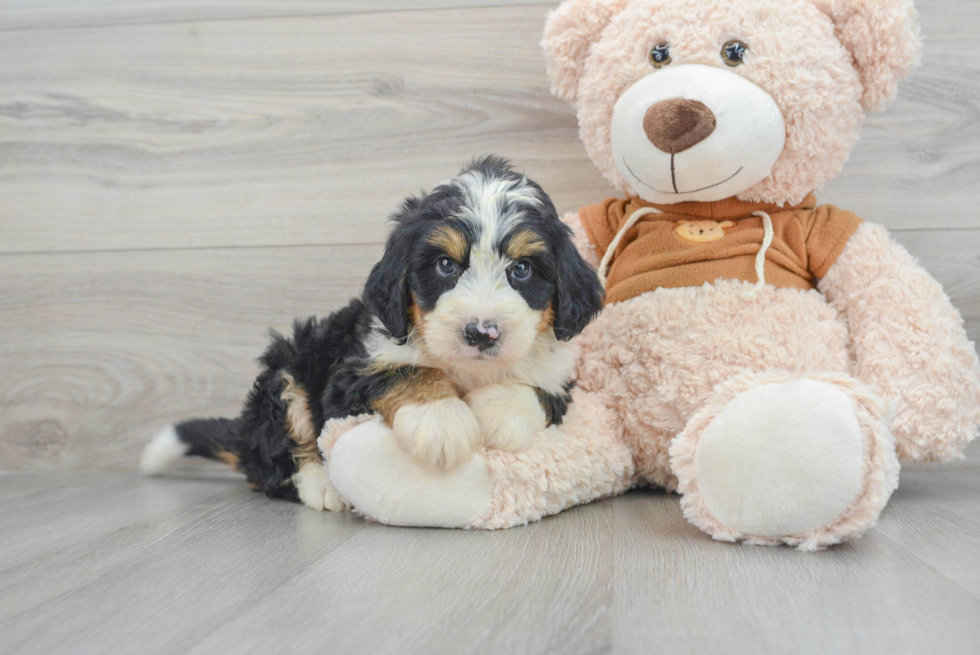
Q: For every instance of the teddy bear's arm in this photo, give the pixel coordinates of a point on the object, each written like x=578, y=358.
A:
x=581, y=239
x=583, y=459
x=909, y=343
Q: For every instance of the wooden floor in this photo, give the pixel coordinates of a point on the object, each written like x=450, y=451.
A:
x=112, y=563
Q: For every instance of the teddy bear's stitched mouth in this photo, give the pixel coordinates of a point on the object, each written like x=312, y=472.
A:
x=673, y=180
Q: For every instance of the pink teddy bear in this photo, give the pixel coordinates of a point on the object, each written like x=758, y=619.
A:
x=768, y=358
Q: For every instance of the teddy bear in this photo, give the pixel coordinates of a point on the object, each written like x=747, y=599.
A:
x=769, y=359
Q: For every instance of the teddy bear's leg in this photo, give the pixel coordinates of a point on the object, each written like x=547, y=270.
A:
x=778, y=458
x=583, y=459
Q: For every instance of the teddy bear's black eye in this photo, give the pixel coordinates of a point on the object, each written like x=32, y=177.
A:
x=733, y=53
x=660, y=55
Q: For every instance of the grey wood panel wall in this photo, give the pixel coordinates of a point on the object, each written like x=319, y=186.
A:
x=176, y=178
x=54, y=14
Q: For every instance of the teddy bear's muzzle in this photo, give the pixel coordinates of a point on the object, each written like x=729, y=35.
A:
x=694, y=132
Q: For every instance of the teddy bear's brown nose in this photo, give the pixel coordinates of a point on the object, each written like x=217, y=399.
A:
x=677, y=125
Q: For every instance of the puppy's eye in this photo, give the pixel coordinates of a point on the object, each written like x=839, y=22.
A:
x=660, y=55
x=733, y=53
x=521, y=270
x=446, y=267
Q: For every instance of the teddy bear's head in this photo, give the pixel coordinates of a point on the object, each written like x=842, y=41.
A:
x=700, y=100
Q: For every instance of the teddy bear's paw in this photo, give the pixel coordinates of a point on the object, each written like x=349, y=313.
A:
x=509, y=415
x=439, y=434
x=370, y=469
x=315, y=490
x=781, y=459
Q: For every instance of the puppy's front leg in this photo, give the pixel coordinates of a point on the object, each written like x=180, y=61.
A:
x=430, y=421
x=508, y=414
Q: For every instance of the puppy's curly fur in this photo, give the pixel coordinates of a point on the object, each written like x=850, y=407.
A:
x=459, y=340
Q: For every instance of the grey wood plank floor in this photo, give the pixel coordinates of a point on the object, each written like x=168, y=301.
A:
x=112, y=563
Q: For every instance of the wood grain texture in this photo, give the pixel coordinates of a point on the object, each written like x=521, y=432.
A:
x=934, y=517
x=101, y=349
x=308, y=131
x=58, y=14
x=115, y=563
x=270, y=132
x=868, y=596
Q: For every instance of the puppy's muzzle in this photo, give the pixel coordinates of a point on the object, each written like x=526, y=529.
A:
x=483, y=335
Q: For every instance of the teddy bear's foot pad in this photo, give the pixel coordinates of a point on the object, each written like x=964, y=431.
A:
x=781, y=459
x=385, y=484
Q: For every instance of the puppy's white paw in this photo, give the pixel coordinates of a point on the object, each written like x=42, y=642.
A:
x=315, y=490
x=509, y=415
x=439, y=434
x=332, y=500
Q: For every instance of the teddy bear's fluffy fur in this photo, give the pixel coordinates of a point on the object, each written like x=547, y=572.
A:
x=692, y=388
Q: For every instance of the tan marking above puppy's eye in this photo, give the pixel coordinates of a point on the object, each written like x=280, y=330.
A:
x=733, y=52
x=450, y=240
x=524, y=244
x=660, y=55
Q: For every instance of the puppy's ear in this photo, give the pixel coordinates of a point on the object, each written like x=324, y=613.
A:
x=579, y=295
x=883, y=38
x=569, y=33
x=386, y=293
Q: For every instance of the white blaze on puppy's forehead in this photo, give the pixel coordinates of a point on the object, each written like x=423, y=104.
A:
x=494, y=206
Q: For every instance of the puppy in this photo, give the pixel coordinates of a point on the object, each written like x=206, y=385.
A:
x=459, y=340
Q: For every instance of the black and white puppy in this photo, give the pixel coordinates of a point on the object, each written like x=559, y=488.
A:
x=459, y=341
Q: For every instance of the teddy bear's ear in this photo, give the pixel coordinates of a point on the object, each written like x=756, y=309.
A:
x=883, y=38
x=569, y=33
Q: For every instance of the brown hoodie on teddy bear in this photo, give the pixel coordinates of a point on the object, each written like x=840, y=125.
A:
x=693, y=243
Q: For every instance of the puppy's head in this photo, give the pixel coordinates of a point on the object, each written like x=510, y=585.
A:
x=481, y=269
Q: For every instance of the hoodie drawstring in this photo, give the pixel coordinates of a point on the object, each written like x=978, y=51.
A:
x=611, y=250
x=760, y=258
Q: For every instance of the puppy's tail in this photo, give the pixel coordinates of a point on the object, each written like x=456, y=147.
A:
x=213, y=438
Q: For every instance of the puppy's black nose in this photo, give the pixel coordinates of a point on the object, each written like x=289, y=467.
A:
x=482, y=335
